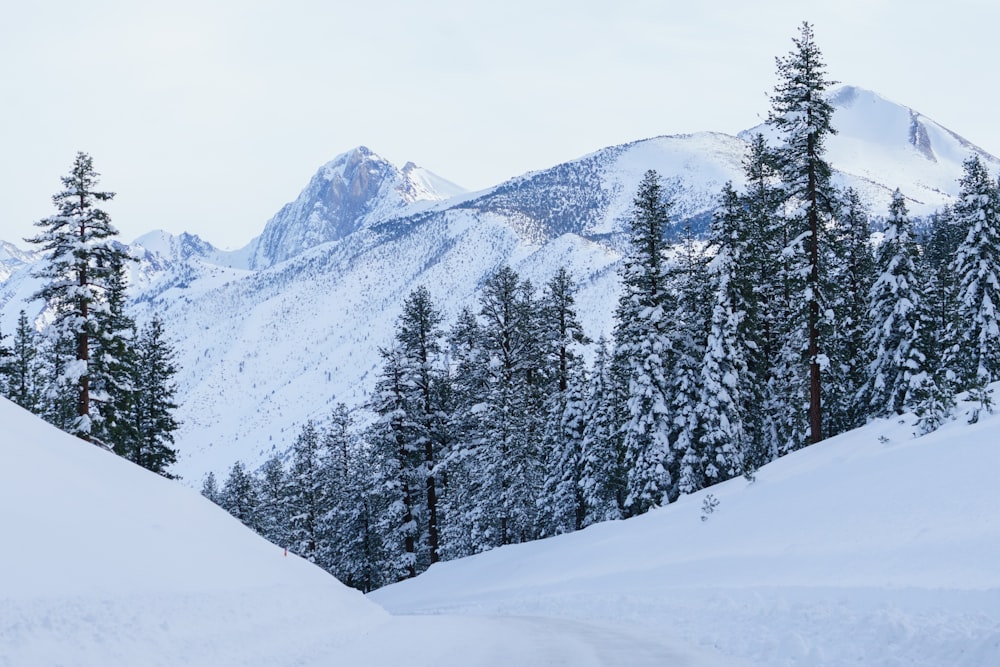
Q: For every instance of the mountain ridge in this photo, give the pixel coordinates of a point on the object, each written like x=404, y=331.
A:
x=268, y=343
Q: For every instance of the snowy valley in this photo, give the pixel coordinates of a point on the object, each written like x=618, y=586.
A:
x=872, y=548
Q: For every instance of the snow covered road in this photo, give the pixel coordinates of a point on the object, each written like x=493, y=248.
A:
x=502, y=641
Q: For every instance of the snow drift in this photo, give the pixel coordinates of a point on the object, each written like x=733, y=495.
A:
x=869, y=548
x=104, y=563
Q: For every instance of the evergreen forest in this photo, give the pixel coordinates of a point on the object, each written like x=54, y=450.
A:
x=798, y=318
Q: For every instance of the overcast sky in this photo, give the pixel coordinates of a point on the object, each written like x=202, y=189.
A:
x=208, y=115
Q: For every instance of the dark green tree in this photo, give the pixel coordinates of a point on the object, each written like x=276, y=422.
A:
x=151, y=401
x=894, y=310
x=850, y=354
x=390, y=438
x=605, y=466
x=643, y=345
x=767, y=318
x=210, y=488
x=726, y=399
x=509, y=453
x=22, y=368
x=687, y=329
x=308, y=493
x=802, y=115
x=561, y=506
x=273, y=492
x=977, y=271
x=419, y=334
x=239, y=496
x=80, y=260
x=113, y=360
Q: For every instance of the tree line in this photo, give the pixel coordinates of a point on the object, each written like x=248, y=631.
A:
x=90, y=370
x=788, y=325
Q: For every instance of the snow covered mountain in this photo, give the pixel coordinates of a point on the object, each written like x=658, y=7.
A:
x=13, y=258
x=351, y=191
x=279, y=332
x=881, y=145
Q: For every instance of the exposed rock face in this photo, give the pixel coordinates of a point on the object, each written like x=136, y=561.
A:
x=346, y=194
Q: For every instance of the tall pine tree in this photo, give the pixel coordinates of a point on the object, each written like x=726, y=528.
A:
x=80, y=263
x=977, y=270
x=644, y=346
x=152, y=400
x=725, y=397
x=850, y=353
x=802, y=115
x=894, y=310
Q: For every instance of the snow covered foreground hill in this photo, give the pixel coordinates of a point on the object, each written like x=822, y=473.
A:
x=103, y=564
x=870, y=548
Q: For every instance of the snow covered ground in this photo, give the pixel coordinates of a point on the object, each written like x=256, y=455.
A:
x=871, y=548
x=103, y=563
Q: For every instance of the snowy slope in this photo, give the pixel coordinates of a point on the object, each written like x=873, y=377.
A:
x=870, y=548
x=106, y=564
x=881, y=145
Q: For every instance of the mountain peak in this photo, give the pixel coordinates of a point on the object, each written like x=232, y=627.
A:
x=881, y=145
x=352, y=191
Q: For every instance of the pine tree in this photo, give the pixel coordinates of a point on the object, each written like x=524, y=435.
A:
x=976, y=267
x=802, y=115
x=934, y=388
x=390, y=437
x=81, y=259
x=59, y=401
x=368, y=557
x=687, y=330
x=561, y=504
x=308, y=498
x=850, y=353
x=23, y=381
x=339, y=443
x=643, y=344
x=460, y=514
x=112, y=389
x=510, y=423
x=273, y=494
x=210, y=488
x=894, y=310
x=5, y=365
x=151, y=401
x=239, y=496
x=419, y=334
x=603, y=480
x=725, y=388
x=767, y=318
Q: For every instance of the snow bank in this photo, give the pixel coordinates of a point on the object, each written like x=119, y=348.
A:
x=870, y=548
x=104, y=564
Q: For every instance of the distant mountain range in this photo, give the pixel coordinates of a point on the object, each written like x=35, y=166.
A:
x=276, y=333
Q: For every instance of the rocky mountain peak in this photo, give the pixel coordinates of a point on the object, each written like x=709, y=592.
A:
x=355, y=189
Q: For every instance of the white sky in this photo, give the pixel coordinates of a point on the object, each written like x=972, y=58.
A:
x=208, y=115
